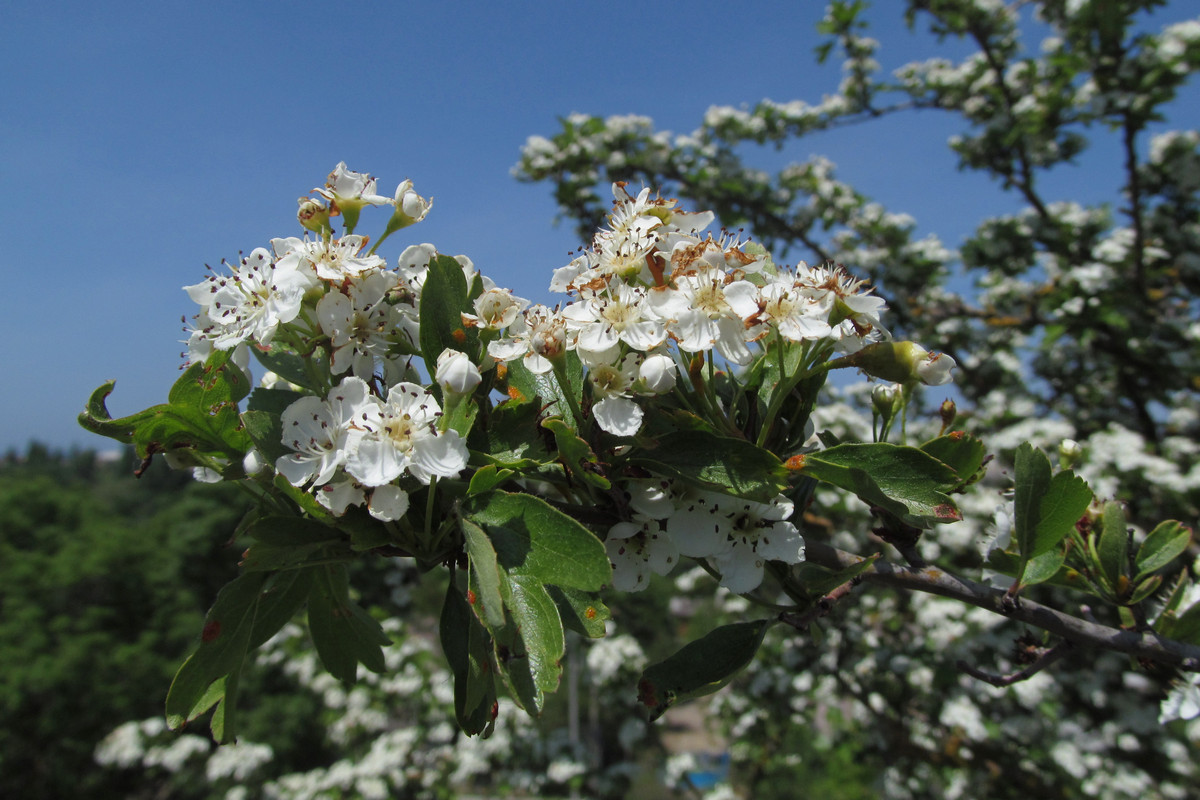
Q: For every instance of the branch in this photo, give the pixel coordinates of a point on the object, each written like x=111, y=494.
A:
x=1140, y=644
x=1046, y=659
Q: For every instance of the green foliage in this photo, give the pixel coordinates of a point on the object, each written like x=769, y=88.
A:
x=103, y=582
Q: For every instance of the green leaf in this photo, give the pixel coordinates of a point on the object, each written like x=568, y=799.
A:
x=459, y=416
x=1146, y=588
x=1031, y=479
x=487, y=478
x=1112, y=547
x=961, y=452
x=716, y=463
x=1010, y=564
x=818, y=581
x=485, y=575
x=1044, y=567
x=444, y=297
x=576, y=454
x=1183, y=626
x=1067, y=499
x=467, y=646
x=266, y=431
x=544, y=390
x=1167, y=541
x=287, y=542
x=532, y=538
x=201, y=414
x=535, y=671
x=282, y=598
x=701, y=667
x=289, y=366
x=223, y=645
x=904, y=481
x=580, y=611
x=343, y=633
x=1045, y=508
x=513, y=436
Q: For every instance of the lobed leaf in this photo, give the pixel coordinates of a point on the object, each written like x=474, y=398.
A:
x=909, y=483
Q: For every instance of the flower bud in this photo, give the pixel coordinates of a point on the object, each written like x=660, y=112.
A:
x=900, y=362
x=252, y=462
x=1069, y=451
x=656, y=374
x=313, y=215
x=886, y=400
x=456, y=373
x=948, y=411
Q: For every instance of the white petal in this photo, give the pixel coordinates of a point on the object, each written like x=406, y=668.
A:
x=619, y=416
x=388, y=503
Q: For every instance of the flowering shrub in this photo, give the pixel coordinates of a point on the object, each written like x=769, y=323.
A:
x=666, y=412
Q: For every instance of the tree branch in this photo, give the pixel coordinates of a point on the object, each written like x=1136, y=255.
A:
x=932, y=580
x=1045, y=660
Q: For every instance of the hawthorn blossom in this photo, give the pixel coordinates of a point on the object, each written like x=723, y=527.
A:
x=333, y=260
x=796, y=309
x=613, y=384
x=636, y=549
x=700, y=314
x=620, y=315
x=251, y=302
x=400, y=436
x=361, y=324
x=317, y=432
x=757, y=533
x=538, y=337
x=411, y=208
x=348, y=192
x=495, y=310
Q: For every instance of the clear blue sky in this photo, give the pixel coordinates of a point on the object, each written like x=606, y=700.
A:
x=140, y=141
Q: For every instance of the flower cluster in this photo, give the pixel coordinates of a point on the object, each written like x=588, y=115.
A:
x=354, y=441
x=651, y=294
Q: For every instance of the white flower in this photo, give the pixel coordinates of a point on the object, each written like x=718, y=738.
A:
x=538, y=336
x=758, y=533
x=796, y=309
x=1182, y=702
x=635, y=549
x=333, y=260
x=411, y=208
x=400, y=435
x=700, y=311
x=620, y=315
x=700, y=522
x=339, y=495
x=250, y=303
x=317, y=431
x=348, y=192
x=656, y=375
x=495, y=310
x=361, y=324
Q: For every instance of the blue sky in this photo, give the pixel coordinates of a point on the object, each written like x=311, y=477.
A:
x=140, y=141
